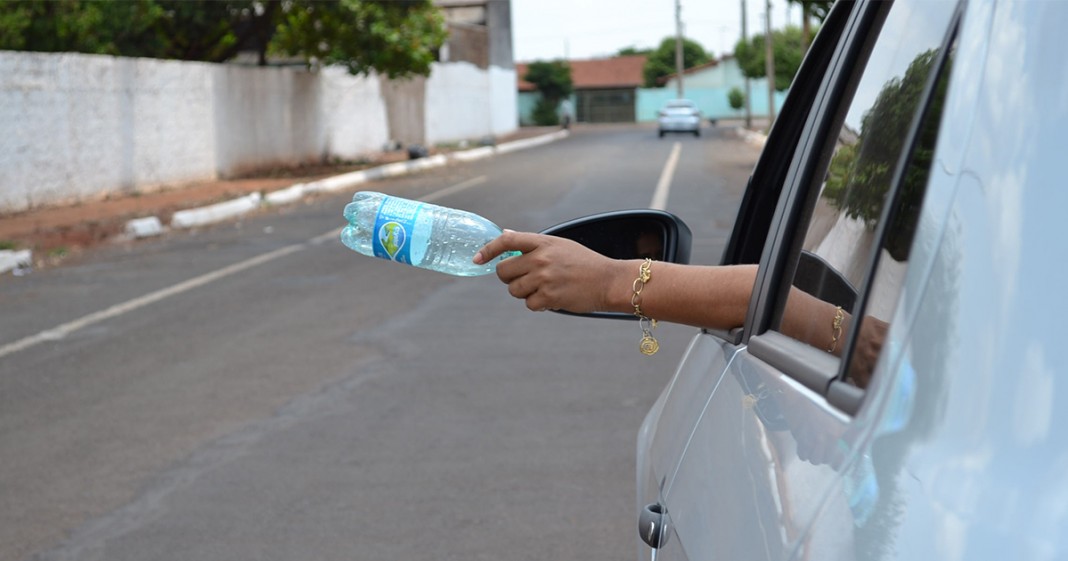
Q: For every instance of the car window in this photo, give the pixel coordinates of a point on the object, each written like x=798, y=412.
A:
x=853, y=223
x=759, y=206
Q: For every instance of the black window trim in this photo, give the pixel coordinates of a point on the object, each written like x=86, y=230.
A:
x=787, y=213
x=814, y=368
x=752, y=227
x=755, y=222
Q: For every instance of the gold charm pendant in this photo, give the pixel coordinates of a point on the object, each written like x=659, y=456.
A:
x=649, y=345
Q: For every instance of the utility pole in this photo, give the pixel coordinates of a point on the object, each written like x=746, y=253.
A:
x=769, y=63
x=678, y=49
x=748, y=89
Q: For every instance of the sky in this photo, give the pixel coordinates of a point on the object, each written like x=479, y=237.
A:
x=577, y=29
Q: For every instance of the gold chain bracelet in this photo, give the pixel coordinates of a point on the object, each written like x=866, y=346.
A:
x=836, y=328
x=649, y=344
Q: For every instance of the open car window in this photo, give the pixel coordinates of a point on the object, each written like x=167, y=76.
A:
x=756, y=212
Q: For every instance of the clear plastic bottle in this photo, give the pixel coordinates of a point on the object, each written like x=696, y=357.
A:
x=419, y=234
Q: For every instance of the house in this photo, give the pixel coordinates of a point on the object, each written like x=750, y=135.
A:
x=605, y=89
x=708, y=85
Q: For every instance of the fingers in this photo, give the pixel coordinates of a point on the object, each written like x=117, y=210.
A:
x=551, y=272
x=508, y=241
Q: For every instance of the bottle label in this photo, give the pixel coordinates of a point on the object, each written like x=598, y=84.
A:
x=393, y=229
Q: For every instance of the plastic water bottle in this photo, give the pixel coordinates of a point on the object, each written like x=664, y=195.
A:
x=419, y=234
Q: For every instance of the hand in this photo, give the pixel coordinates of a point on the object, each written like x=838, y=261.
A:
x=554, y=273
x=866, y=353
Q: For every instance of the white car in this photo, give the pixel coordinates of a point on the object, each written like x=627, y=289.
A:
x=679, y=115
x=914, y=183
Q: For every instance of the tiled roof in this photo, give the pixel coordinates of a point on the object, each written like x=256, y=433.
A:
x=616, y=72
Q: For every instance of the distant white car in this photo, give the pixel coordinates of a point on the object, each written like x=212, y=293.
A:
x=679, y=115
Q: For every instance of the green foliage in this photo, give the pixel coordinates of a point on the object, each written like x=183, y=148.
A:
x=632, y=51
x=661, y=62
x=786, y=48
x=544, y=113
x=110, y=28
x=858, y=181
x=394, y=37
x=736, y=98
x=552, y=80
x=213, y=31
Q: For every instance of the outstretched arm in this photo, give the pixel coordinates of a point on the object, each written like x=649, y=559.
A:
x=558, y=274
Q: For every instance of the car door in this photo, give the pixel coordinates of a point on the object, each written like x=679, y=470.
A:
x=669, y=425
x=759, y=433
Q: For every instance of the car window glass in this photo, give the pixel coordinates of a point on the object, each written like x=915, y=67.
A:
x=901, y=225
x=859, y=162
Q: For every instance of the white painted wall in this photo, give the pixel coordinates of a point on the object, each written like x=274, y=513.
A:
x=504, y=99
x=352, y=114
x=265, y=116
x=78, y=126
x=72, y=126
x=456, y=110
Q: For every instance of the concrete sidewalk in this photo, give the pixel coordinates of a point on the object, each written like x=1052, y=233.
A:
x=44, y=237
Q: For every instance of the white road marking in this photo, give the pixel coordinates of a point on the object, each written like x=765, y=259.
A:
x=663, y=186
x=441, y=194
x=63, y=330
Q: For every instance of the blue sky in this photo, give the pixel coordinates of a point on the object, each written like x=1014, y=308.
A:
x=547, y=29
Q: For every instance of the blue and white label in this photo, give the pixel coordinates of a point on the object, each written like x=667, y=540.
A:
x=394, y=225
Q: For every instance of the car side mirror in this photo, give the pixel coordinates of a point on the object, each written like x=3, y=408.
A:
x=629, y=234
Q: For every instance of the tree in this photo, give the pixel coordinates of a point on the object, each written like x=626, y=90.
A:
x=736, y=98
x=661, y=62
x=553, y=82
x=394, y=37
x=110, y=28
x=213, y=31
x=632, y=51
x=788, y=53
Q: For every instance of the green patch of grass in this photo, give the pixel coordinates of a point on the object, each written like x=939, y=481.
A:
x=7, y=244
x=58, y=252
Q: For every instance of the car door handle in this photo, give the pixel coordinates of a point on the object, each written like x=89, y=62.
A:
x=652, y=525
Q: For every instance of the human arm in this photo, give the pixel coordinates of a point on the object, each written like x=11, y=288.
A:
x=559, y=274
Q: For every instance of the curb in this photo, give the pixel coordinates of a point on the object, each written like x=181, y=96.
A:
x=17, y=261
x=202, y=216
x=752, y=137
x=215, y=213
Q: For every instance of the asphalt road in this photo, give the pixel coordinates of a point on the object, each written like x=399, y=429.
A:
x=313, y=403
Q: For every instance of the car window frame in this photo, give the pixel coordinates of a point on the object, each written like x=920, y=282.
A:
x=814, y=368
